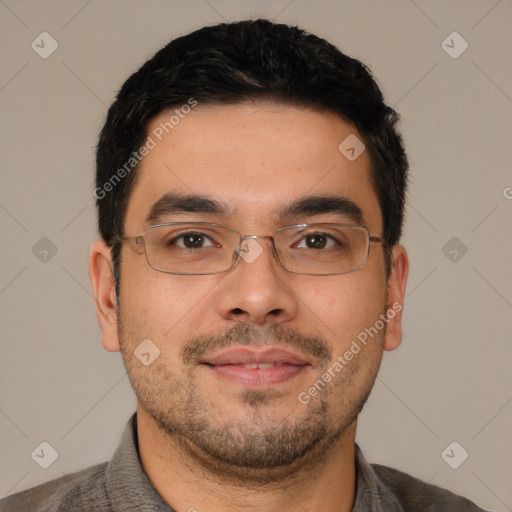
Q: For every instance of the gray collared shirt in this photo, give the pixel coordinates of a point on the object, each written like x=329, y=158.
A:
x=122, y=486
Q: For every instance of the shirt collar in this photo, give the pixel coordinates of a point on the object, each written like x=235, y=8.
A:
x=371, y=493
x=128, y=486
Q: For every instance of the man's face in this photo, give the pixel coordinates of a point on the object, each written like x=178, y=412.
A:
x=256, y=159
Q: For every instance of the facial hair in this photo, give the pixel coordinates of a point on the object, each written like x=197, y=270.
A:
x=258, y=447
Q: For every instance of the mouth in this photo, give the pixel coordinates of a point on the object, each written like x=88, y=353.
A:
x=260, y=366
x=256, y=369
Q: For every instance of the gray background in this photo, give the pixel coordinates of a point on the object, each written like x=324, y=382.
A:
x=449, y=381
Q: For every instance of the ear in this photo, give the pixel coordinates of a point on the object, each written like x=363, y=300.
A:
x=396, y=293
x=103, y=286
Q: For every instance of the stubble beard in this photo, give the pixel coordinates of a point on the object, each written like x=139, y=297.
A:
x=258, y=448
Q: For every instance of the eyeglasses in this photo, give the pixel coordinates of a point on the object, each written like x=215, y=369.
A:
x=201, y=248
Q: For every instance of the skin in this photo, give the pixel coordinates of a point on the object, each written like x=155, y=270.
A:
x=207, y=443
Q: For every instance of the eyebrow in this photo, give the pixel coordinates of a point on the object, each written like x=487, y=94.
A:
x=171, y=203
x=180, y=203
x=324, y=204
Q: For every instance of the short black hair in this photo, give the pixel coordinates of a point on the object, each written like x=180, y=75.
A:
x=242, y=61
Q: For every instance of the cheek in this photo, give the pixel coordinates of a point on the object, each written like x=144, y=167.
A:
x=345, y=303
x=159, y=306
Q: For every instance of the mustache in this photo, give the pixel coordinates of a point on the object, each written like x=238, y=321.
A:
x=246, y=334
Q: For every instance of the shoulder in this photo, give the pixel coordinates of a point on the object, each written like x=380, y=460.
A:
x=70, y=492
x=415, y=494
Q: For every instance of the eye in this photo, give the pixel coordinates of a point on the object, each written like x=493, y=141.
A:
x=192, y=240
x=317, y=241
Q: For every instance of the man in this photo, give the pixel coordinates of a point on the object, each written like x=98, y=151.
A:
x=250, y=188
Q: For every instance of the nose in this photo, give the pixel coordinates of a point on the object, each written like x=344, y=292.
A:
x=257, y=289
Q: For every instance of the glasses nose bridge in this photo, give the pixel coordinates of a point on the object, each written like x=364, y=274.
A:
x=245, y=237
x=268, y=237
x=275, y=252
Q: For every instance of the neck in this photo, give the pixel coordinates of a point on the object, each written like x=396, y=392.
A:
x=187, y=482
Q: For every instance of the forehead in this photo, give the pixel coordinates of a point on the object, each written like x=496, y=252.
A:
x=255, y=159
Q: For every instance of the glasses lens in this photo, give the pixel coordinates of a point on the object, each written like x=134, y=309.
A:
x=191, y=248
x=205, y=248
x=319, y=249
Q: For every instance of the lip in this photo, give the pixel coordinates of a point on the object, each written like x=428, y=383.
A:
x=242, y=366
x=241, y=356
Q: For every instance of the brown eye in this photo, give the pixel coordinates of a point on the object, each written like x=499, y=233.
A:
x=191, y=241
x=316, y=241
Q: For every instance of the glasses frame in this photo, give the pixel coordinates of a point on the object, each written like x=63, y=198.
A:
x=139, y=240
